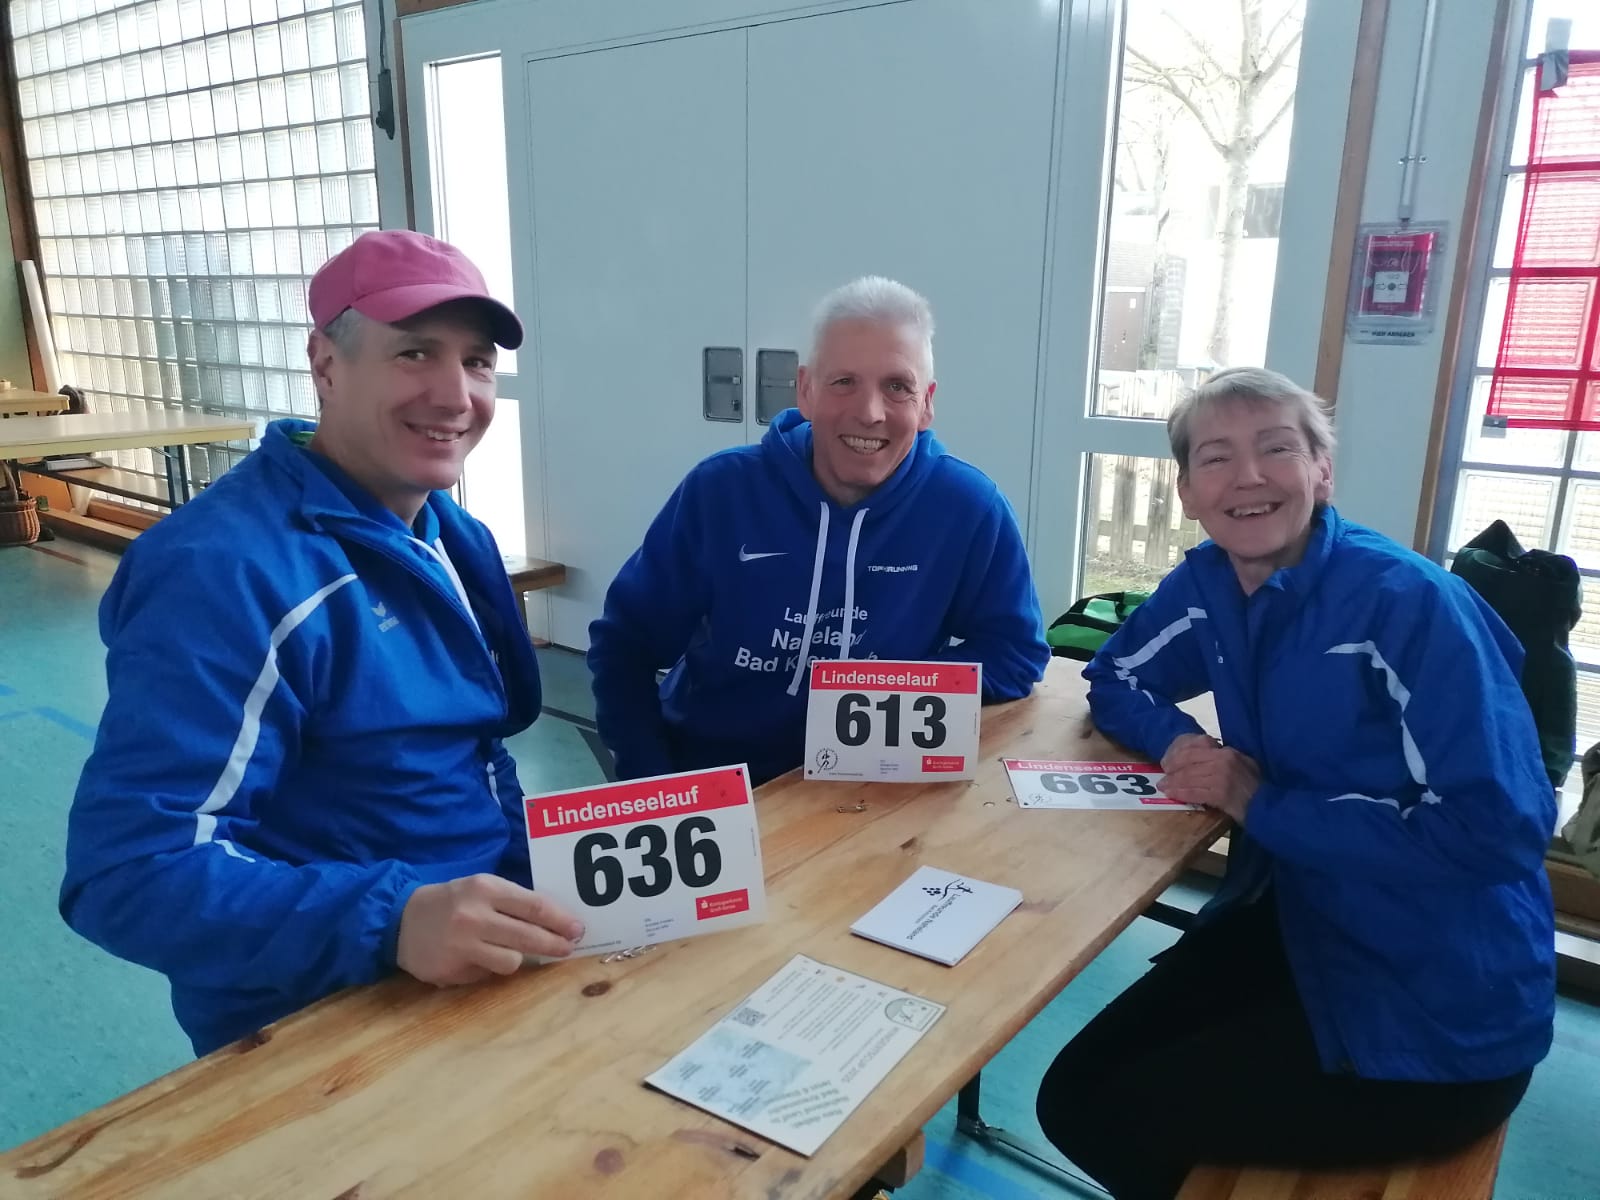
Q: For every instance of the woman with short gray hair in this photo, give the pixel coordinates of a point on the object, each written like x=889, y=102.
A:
x=1375, y=977
x=1252, y=383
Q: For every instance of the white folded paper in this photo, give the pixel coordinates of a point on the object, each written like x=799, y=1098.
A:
x=938, y=914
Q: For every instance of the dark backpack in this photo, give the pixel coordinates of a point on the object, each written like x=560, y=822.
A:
x=1538, y=595
x=1081, y=630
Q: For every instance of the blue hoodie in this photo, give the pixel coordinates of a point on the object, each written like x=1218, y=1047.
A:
x=1403, y=811
x=750, y=561
x=303, y=727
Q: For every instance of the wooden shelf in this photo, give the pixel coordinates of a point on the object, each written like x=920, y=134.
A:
x=531, y=574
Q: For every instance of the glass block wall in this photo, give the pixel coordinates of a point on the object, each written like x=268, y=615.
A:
x=192, y=163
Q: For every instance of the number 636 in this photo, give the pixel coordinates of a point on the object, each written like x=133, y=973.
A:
x=600, y=876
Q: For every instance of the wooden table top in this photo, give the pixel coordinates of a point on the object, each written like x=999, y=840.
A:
x=531, y=1086
x=21, y=400
x=75, y=433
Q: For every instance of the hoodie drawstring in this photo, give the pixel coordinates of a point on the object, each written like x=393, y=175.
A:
x=811, y=606
x=816, y=591
x=443, y=559
x=850, y=585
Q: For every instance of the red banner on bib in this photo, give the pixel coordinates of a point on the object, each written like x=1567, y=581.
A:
x=883, y=675
x=639, y=800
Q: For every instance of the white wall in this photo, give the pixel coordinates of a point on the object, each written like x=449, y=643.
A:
x=388, y=160
x=1385, y=396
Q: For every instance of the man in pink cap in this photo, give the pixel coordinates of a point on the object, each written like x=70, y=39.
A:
x=299, y=781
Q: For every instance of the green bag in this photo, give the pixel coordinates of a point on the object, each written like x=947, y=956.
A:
x=1538, y=595
x=1081, y=630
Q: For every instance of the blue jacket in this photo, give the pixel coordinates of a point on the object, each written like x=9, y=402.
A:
x=1403, y=812
x=304, y=726
x=750, y=561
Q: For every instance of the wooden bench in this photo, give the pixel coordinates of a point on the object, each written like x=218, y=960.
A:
x=1467, y=1175
x=131, y=485
x=530, y=575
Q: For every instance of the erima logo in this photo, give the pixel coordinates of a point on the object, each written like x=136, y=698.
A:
x=385, y=621
x=746, y=556
x=892, y=570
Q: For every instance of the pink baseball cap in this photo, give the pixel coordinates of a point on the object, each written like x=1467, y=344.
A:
x=392, y=274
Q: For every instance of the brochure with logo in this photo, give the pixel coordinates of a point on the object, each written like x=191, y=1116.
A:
x=938, y=914
x=800, y=1053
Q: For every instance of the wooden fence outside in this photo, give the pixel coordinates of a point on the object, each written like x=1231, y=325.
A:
x=1136, y=518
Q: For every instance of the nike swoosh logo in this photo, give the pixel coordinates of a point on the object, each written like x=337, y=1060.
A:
x=746, y=556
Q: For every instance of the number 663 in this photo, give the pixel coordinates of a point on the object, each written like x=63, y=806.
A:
x=1098, y=785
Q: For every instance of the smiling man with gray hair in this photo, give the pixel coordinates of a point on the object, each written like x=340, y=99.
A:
x=848, y=532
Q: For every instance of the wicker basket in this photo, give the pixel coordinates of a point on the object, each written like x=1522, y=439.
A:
x=19, y=520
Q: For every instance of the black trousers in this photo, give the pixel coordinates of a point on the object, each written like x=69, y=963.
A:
x=1209, y=1058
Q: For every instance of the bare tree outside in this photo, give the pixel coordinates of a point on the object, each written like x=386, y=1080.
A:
x=1231, y=69
x=1202, y=150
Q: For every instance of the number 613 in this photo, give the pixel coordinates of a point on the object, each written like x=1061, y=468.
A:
x=852, y=721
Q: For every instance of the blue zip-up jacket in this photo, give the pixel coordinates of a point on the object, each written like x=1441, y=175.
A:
x=750, y=561
x=1403, y=812
x=303, y=727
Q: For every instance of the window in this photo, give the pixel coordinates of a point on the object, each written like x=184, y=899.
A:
x=192, y=163
x=1544, y=483
x=1192, y=248
x=472, y=210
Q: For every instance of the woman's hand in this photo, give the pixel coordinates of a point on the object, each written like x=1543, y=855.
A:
x=1185, y=747
x=1199, y=771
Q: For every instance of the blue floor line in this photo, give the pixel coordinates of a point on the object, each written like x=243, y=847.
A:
x=964, y=1165
x=70, y=724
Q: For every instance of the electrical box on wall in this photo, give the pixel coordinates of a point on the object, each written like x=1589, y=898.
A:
x=1395, y=276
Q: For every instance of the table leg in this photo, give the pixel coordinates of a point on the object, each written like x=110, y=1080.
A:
x=167, y=459
x=969, y=1121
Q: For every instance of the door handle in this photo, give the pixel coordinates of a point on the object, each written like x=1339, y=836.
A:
x=777, y=375
x=722, y=387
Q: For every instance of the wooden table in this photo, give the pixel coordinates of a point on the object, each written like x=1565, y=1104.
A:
x=20, y=401
x=86, y=433
x=530, y=1086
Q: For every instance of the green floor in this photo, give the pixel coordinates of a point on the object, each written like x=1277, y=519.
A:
x=78, y=1027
